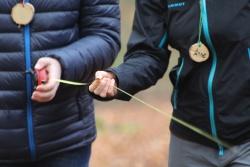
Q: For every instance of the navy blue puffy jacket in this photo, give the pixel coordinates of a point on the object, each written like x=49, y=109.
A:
x=84, y=36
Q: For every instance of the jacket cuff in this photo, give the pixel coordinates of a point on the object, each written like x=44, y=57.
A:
x=101, y=98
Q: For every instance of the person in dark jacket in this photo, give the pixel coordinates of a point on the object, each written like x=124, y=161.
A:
x=52, y=125
x=211, y=80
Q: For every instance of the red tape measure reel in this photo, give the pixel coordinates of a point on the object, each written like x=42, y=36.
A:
x=40, y=77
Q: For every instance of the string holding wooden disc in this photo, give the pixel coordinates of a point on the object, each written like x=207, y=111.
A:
x=199, y=52
x=23, y=13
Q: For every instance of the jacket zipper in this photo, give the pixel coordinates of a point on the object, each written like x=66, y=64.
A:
x=29, y=87
x=176, y=89
x=163, y=40
x=175, y=93
x=248, y=53
x=211, y=75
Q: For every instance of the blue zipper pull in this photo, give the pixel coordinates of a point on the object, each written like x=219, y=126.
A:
x=221, y=151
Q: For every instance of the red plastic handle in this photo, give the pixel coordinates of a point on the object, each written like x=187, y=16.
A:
x=41, y=76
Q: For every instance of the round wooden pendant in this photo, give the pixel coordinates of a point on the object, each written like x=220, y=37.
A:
x=199, y=52
x=22, y=14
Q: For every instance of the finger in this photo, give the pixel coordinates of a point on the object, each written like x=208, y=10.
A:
x=101, y=86
x=112, y=90
x=43, y=96
x=94, y=85
x=99, y=74
x=49, y=86
x=104, y=74
x=105, y=89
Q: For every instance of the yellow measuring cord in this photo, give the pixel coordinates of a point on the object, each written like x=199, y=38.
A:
x=181, y=122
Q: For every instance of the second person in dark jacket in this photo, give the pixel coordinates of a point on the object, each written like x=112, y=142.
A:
x=211, y=80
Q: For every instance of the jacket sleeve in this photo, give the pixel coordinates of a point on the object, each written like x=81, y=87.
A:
x=147, y=58
x=99, y=42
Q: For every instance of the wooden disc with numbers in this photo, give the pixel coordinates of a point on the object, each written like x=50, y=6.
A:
x=22, y=14
x=199, y=52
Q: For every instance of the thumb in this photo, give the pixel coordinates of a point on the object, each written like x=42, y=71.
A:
x=103, y=74
x=42, y=63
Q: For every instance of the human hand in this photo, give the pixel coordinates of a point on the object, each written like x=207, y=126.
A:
x=46, y=92
x=104, y=84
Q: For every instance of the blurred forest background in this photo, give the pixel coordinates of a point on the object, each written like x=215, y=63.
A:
x=129, y=133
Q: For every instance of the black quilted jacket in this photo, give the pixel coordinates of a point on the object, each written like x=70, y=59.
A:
x=213, y=95
x=84, y=36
